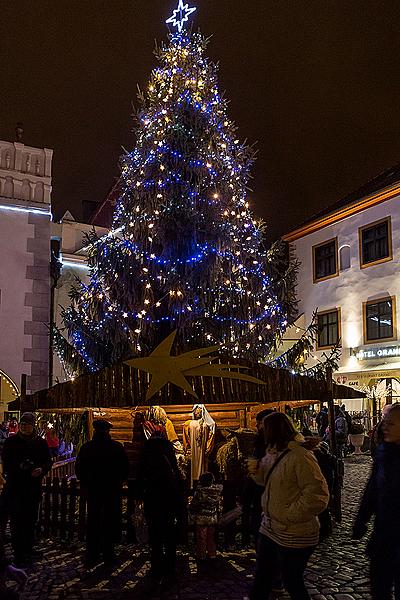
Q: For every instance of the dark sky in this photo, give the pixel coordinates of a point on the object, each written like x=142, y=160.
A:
x=316, y=83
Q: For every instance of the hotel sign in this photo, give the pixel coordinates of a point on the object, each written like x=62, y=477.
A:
x=377, y=353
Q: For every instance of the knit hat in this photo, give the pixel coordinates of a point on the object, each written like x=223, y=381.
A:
x=102, y=425
x=28, y=417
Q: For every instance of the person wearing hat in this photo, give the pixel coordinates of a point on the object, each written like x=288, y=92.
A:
x=26, y=460
x=102, y=467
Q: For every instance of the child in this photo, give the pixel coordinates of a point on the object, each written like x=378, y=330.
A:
x=204, y=509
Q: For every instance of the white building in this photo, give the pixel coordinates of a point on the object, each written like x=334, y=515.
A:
x=350, y=259
x=72, y=255
x=25, y=222
x=29, y=239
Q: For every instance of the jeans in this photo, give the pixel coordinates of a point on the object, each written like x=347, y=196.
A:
x=384, y=573
x=273, y=559
x=205, y=541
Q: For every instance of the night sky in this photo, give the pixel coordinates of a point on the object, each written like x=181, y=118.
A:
x=315, y=83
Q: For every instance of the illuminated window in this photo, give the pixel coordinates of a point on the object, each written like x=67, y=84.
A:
x=375, y=243
x=379, y=320
x=328, y=328
x=325, y=260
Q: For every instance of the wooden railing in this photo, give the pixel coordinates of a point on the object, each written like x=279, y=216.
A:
x=63, y=468
x=63, y=510
x=63, y=513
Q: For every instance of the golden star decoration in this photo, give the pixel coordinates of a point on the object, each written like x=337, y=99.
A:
x=165, y=368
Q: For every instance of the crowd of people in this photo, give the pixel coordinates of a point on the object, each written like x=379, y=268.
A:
x=287, y=492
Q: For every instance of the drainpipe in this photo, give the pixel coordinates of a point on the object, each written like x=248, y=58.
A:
x=55, y=273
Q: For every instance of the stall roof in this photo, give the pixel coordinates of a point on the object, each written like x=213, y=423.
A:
x=124, y=386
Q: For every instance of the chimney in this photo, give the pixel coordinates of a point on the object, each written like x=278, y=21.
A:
x=19, y=132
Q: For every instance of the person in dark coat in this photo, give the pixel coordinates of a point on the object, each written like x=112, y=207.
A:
x=26, y=460
x=381, y=498
x=161, y=488
x=102, y=467
x=322, y=421
x=251, y=496
x=3, y=434
x=377, y=433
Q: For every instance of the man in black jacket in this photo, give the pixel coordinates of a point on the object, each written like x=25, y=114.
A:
x=26, y=460
x=381, y=498
x=102, y=467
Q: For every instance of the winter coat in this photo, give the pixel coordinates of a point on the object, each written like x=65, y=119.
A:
x=322, y=421
x=102, y=465
x=341, y=428
x=381, y=498
x=205, y=504
x=159, y=479
x=376, y=438
x=295, y=494
x=134, y=450
x=3, y=437
x=52, y=439
x=20, y=456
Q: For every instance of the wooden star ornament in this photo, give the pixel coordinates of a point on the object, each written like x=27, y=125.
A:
x=165, y=368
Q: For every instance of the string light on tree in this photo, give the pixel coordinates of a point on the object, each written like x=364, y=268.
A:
x=185, y=251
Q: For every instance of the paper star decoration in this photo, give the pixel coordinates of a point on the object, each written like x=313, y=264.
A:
x=165, y=368
x=180, y=15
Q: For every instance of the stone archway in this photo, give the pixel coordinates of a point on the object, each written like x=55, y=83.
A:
x=8, y=392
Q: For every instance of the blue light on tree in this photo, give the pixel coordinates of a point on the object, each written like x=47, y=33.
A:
x=185, y=251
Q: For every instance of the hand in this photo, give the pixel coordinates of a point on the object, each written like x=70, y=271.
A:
x=359, y=530
x=252, y=466
x=38, y=472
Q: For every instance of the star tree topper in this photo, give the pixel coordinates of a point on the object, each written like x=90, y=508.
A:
x=165, y=368
x=180, y=15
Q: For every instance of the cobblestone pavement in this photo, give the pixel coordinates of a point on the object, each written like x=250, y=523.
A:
x=338, y=570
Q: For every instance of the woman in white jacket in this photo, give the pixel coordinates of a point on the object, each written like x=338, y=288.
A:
x=295, y=494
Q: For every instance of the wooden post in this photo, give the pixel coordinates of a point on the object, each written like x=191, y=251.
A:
x=389, y=397
x=331, y=411
x=90, y=424
x=338, y=482
x=23, y=393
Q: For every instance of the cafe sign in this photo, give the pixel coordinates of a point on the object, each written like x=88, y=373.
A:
x=377, y=352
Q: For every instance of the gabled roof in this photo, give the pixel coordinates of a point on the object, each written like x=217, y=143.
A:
x=103, y=216
x=382, y=187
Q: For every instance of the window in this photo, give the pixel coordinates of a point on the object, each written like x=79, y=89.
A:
x=325, y=260
x=375, y=243
x=328, y=328
x=379, y=321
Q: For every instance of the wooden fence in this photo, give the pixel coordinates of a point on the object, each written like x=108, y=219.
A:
x=63, y=511
x=63, y=468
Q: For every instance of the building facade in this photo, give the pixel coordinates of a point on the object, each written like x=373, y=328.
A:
x=25, y=232
x=349, y=271
x=71, y=238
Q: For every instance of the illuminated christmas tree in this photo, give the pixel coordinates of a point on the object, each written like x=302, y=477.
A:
x=185, y=251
